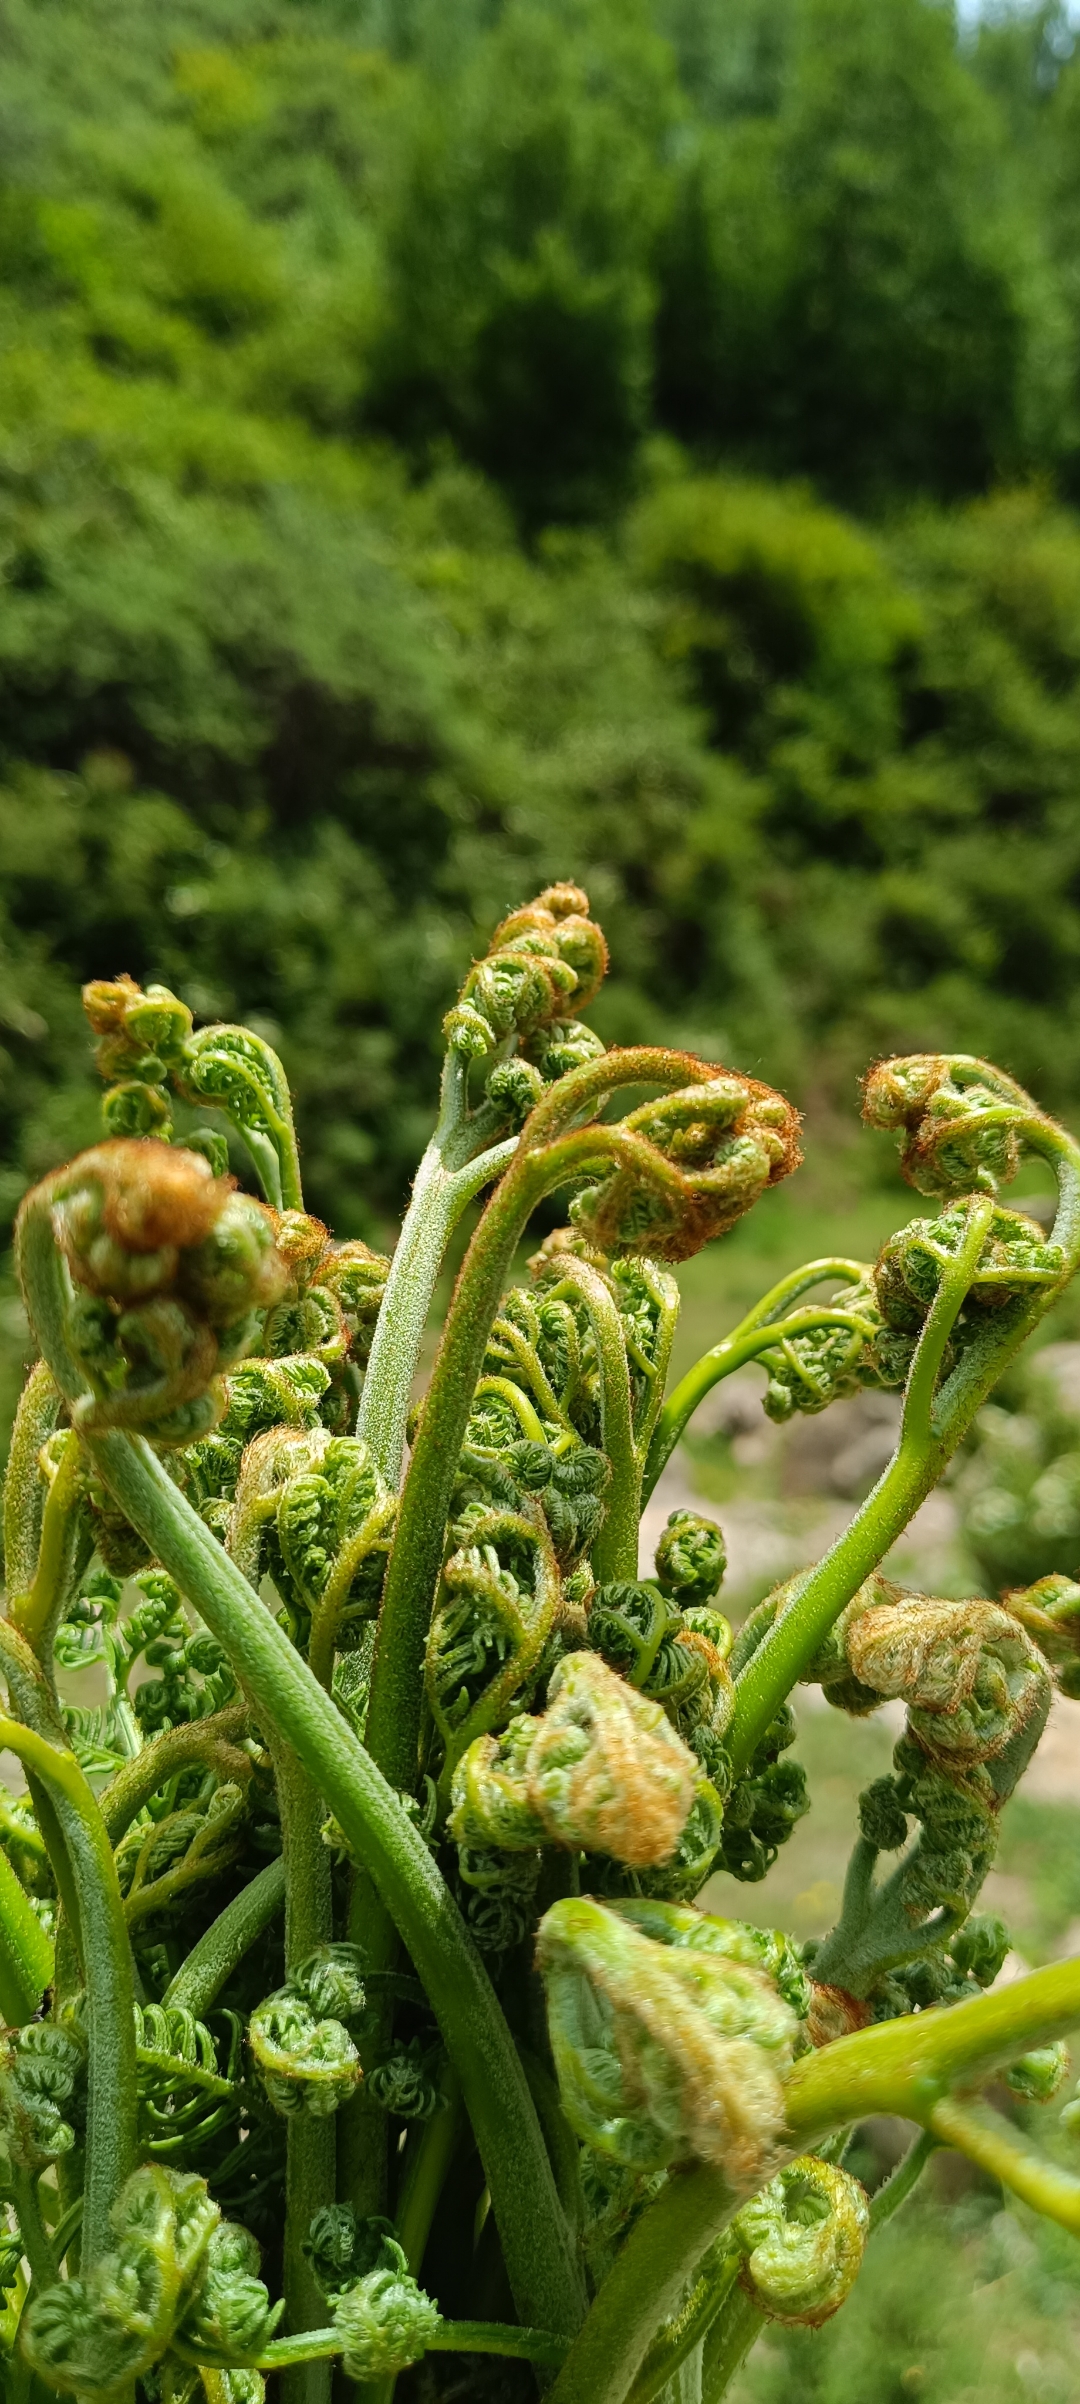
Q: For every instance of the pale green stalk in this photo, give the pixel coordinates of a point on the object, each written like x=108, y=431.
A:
x=447, y=1180
x=40, y=1404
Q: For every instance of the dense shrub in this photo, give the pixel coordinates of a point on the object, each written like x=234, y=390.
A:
x=305, y=319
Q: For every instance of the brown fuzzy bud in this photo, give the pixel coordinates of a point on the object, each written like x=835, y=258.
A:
x=602, y=1770
x=124, y=1211
x=968, y=1672
x=663, y=2052
x=171, y=1267
x=697, y=1160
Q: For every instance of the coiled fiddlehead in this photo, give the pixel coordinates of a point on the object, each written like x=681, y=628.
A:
x=493, y=1621
x=405, y=2081
x=185, y=2098
x=691, y=1558
x=858, y=1349
x=170, y=1271
x=978, y=1692
x=231, y=2314
x=802, y=2241
x=648, y=1639
x=961, y=1121
x=538, y=961
x=41, y=2067
x=968, y=1672
x=95, y=2336
x=699, y=1159
x=601, y=1769
x=158, y=1864
x=302, y=2049
x=765, y=1804
x=384, y=2320
x=334, y=1526
x=497, y=1893
x=663, y=2052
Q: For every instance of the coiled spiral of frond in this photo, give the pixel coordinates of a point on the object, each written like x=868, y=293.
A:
x=958, y=1811
x=231, y=2312
x=650, y=1641
x=158, y=1864
x=765, y=1804
x=41, y=2068
x=807, y=1372
x=499, y=1466
x=690, y=1559
x=385, y=2320
x=496, y=1612
x=694, y=1162
x=356, y=1276
x=802, y=2241
x=405, y=2082
x=497, y=1895
x=541, y=960
x=172, y=1269
x=1016, y=1259
x=563, y=1044
x=239, y=1074
x=601, y=1769
x=663, y=2052
x=186, y=2096
x=95, y=2336
x=308, y=1319
x=334, y=1526
x=542, y=1345
x=962, y=1123
x=968, y=1671
x=141, y=1037
x=301, y=2047
x=146, y=1042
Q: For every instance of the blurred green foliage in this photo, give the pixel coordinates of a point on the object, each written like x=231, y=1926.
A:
x=443, y=447
x=1019, y=1489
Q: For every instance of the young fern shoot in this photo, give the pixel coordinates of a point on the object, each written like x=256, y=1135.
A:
x=359, y=2004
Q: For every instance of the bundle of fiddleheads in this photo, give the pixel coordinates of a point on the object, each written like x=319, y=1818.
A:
x=349, y=1923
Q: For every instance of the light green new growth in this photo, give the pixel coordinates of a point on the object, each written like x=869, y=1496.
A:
x=387, y=1718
